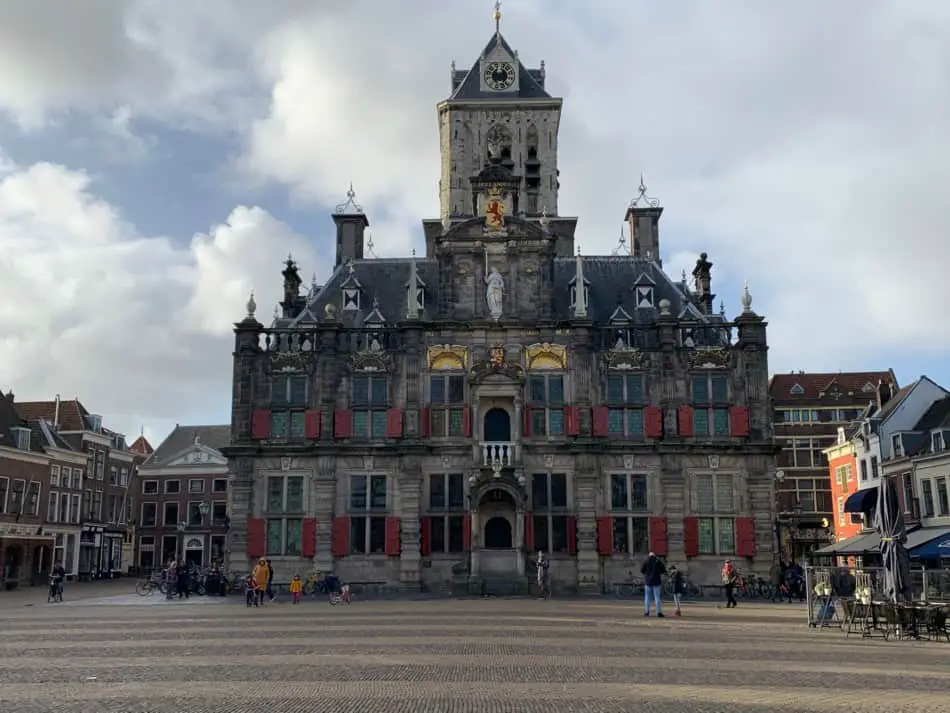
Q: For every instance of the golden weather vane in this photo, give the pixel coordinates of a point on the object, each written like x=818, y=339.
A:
x=496, y=15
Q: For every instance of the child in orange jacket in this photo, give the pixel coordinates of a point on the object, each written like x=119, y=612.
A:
x=296, y=587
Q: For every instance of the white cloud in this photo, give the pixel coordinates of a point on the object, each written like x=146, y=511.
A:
x=135, y=326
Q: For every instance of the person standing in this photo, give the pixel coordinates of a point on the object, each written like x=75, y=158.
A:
x=260, y=580
x=183, y=577
x=679, y=588
x=296, y=587
x=270, y=581
x=171, y=579
x=653, y=570
x=730, y=577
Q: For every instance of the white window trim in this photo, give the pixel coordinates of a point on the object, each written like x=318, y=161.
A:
x=52, y=506
x=146, y=482
x=165, y=522
x=172, y=492
x=200, y=490
x=6, y=494
x=54, y=475
x=218, y=480
x=142, y=514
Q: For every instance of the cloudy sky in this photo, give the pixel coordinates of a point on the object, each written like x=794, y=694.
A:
x=159, y=159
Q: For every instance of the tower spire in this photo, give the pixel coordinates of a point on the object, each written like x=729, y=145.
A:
x=496, y=16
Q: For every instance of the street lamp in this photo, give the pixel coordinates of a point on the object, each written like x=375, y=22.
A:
x=182, y=526
x=779, y=479
x=204, y=509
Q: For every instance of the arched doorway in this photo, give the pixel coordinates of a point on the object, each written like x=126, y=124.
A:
x=497, y=534
x=497, y=425
x=194, y=551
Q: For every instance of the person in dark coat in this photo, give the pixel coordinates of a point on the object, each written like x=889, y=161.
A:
x=679, y=588
x=653, y=570
x=184, y=577
x=270, y=581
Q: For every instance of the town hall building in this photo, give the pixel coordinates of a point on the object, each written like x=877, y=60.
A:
x=435, y=419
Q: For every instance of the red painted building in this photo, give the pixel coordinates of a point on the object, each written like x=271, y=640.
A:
x=842, y=470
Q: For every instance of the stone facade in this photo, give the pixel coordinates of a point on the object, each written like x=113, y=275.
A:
x=424, y=421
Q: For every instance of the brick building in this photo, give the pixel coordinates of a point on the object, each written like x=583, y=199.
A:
x=808, y=410
x=103, y=495
x=843, y=474
x=418, y=420
x=182, y=495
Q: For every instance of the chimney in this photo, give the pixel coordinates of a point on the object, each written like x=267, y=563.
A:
x=703, y=281
x=884, y=393
x=10, y=397
x=56, y=413
x=292, y=284
x=351, y=224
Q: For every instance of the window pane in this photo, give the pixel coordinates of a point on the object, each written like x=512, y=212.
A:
x=358, y=492
x=558, y=490
x=705, y=499
x=437, y=389
x=700, y=390
x=437, y=422
x=558, y=533
x=278, y=391
x=297, y=424
x=620, y=535
x=638, y=492
x=294, y=493
x=701, y=422
x=436, y=492
x=456, y=389
x=541, y=539
x=298, y=390
x=437, y=534
x=379, y=424
x=275, y=533
x=720, y=390
x=377, y=535
x=555, y=422
x=275, y=494
x=279, y=424
x=456, y=422
x=358, y=535
x=377, y=492
x=634, y=389
x=456, y=536
x=707, y=543
x=379, y=391
x=536, y=390
x=721, y=422
x=615, y=421
x=361, y=424
x=556, y=390
x=456, y=491
x=635, y=423
x=727, y=536
x=724, y=496
x=360, y=390
x=294, y=537
x=539, y=422
x=539, y=491
x=641, y=535
x=615, y=389
x=618, y=492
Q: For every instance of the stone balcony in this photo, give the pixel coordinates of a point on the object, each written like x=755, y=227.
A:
x=498, y=453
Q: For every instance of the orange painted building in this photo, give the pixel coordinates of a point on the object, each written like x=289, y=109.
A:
x=842, y=469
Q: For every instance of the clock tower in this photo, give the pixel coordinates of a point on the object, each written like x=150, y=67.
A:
x=500, y=107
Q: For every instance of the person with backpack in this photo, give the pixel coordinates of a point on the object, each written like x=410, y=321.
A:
x=730, y=578
x=653, y=570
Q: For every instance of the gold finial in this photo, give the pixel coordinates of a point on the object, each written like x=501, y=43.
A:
x=496, y=15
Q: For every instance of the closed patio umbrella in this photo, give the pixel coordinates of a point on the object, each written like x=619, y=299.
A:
x=889, y=523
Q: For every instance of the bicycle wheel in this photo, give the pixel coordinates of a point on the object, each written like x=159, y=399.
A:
x=143, y=589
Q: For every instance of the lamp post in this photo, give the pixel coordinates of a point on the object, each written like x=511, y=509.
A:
x=182, y=526
x=779, y=479
x=204, y=509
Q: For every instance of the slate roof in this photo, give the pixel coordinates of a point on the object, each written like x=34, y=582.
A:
x=10, y=419
x=918, y=442
x=467, y=84
x=182, y=438
x=49, y=436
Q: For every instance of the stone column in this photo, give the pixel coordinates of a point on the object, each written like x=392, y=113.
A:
x=322, y=505
x=242, y=508
x=474, y=540
x=585, y=504
x=410, y=496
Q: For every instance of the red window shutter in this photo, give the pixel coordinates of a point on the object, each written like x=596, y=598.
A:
x=425, y=537
x=572, y=421
x=745, y=537
x=260, y=425
x=691, y=536
x=571, y=535
x=601, y=421
x=342, y=423
x=684, y=421
x=393, y=536
x=424, y=427
x=653, y=422
x=308, y=548
x=340, y=537
x=527, y=422
x=467, y=422
x=311, y=425
x=528, y=532
x=739, y=421
x=256, y=537
x=466, y=532
x=605, y=536
x=658, y=539
x=394, y=423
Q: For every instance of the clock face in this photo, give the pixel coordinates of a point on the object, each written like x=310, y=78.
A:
x=499, y=75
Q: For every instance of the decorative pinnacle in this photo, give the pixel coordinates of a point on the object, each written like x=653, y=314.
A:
x=350, y=205
x=746, y=299
x=544, y=221
x=251, y=306
x=496, y=15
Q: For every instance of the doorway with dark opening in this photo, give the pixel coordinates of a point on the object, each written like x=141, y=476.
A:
x=497, y=425
x=498, y=534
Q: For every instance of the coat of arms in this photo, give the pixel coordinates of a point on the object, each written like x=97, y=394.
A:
x=494, y=211
x=496, y=357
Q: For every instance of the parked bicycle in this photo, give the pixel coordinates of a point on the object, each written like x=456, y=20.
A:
x=690, y=590
x=631, y=587
x=149, y=586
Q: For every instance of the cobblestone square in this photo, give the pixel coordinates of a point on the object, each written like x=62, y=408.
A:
x=119, y=653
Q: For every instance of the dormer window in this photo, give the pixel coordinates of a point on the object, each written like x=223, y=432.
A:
x=21, y=438
x=797, y=390
x=420, y=297
x=898, y=444
x=868, y=388
x=95, y=423
x=351, y=299
x=574, y=294
x=644, y=296
x=937, y=441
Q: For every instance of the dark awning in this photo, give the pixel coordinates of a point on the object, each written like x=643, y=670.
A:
x=861, y=501
x=859, y=545
x=929, y=543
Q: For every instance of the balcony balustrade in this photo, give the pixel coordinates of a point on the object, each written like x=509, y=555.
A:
x=500, y=453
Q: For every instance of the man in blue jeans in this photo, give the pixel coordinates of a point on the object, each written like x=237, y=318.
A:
x=653, y=570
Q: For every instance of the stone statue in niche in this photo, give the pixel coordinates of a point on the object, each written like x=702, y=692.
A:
x=494, y=292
